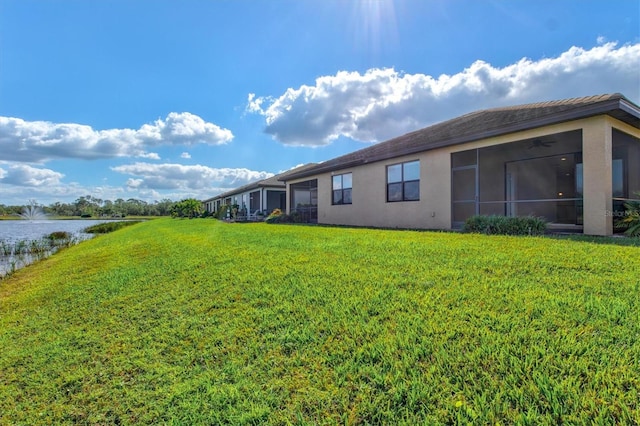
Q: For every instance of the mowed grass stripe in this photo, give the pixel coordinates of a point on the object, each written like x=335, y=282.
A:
x=202, y=322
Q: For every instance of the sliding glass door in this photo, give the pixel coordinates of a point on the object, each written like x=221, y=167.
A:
x=545, y=187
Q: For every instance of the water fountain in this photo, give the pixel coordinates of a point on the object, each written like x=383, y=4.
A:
x=32, y=212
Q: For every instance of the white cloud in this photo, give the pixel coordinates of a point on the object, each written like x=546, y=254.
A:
x=134, y=183
x=186, y=177
x=291, y=168
x=39, y=141
x=149, y=182
x=151, y=156
x=20, y=183
x=254, y=104
x=383, y=103
x=185, y=155
x=24, y=175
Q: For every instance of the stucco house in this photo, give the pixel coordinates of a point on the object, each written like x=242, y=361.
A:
x=571, y=161
x=263, y=196
x=266, y=194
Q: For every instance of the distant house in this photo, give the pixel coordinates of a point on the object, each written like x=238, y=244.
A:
x=262, y=196
x=573, y=162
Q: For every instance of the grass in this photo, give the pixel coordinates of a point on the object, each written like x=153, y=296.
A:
x=616, y=240
x=202, y=322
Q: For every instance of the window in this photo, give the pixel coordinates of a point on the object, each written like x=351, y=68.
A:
x=341, y=186
x=403, y=182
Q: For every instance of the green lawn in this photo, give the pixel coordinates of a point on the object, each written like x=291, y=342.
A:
x=201, y=322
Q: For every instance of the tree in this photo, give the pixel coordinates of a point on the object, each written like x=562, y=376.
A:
x=89, y=205
x=164, y=206
x=135, y=207
x=189, y=207
x=86, y=206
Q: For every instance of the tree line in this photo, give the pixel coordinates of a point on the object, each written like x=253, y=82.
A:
x=89, y=206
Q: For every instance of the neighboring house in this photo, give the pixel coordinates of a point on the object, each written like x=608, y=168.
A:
x=262, y=196
x=572, y=161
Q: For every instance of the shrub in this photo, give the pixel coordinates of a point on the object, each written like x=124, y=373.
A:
x=631, y=219
x=189, y=208
x=503, y=225
x=59, y=235
x=234, y=211
x=282, y=218
x=59, y=239
x=296, y=217
x=104, y=228
x=276, y=216
x=222, y=212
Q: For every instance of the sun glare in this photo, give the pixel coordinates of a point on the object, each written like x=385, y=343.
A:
x=374, y=25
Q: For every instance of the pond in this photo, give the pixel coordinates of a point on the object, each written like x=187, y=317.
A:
x=15, y=232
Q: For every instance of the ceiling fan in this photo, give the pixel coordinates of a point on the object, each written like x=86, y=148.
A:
x=539, y=143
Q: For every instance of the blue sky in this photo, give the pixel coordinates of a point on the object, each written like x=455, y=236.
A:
x=155, y=99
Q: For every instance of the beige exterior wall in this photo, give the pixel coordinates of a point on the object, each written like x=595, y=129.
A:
x=433, y=211
x=370, y=206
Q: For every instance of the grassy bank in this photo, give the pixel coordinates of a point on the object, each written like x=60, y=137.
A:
x=201, y=322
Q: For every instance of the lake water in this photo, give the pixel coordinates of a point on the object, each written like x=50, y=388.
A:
x=18, y=230
x=13, y=231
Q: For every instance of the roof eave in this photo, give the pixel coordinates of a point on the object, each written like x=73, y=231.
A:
x=322, y=170
x=242, y=190
x=630, y=110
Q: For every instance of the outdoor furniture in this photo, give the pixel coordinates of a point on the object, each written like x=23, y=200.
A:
x=253, y=216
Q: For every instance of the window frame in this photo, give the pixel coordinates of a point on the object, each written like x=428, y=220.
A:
x=341, y=190
x=401, y=185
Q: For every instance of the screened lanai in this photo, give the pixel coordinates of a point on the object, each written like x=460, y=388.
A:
x=539, y=177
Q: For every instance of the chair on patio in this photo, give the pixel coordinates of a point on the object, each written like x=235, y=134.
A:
x=253, y=216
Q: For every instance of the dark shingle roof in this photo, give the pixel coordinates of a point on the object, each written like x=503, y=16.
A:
x=483, y=124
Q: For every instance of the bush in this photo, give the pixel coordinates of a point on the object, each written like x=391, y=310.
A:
x=503, y=225
x=59, y=235
x=296, y=217
x=222, y=212
x=189, y=208
x=276, y=216
x=104, y=228
x=281, y=218
x=631, y=219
